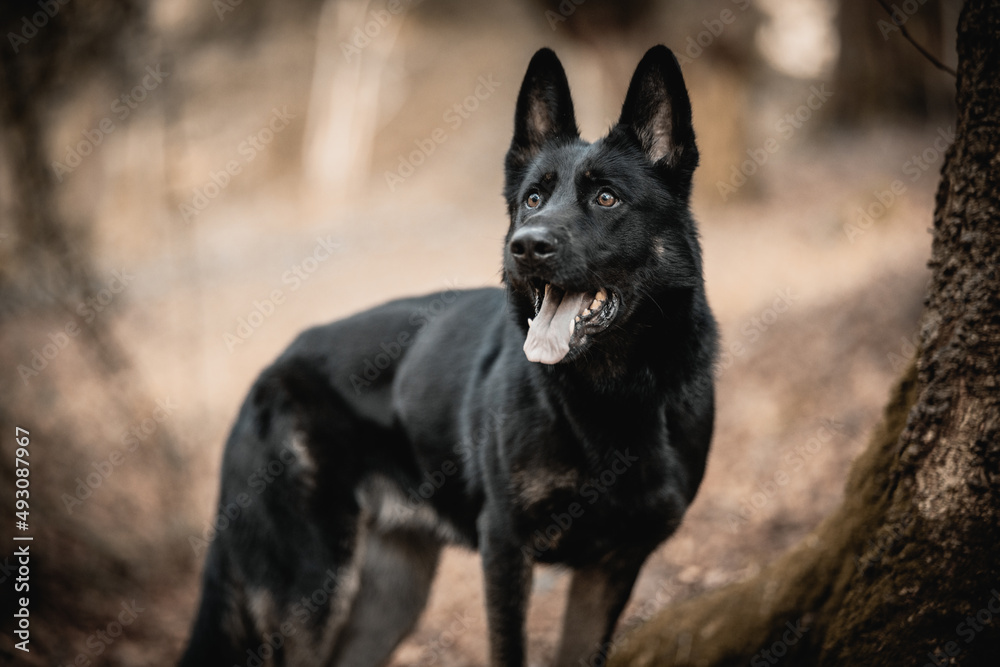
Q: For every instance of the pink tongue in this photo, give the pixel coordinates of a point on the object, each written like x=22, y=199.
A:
x=549, y=334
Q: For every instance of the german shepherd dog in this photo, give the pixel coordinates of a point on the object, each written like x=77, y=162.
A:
x=565, y=418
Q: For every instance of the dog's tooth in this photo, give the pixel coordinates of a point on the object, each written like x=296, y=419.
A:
x=599, y=300
x=587, y=312
x=530, y=322
x=572, y=327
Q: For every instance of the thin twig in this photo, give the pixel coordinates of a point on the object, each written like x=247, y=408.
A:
x=906, y=33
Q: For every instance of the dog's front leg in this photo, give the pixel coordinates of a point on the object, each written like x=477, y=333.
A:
x=507, y=575
x=596, y=598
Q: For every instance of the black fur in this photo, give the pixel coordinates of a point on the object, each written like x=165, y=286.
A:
x=422, y=421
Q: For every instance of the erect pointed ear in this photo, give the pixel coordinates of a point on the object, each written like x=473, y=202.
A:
x=658, y=112
x=544, y=110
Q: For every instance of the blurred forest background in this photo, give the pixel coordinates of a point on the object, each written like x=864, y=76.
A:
x=185, y=185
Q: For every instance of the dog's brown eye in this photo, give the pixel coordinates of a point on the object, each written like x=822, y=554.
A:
x=533, y=200
x=606, y=199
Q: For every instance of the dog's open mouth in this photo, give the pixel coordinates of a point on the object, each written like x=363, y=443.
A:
x=564, y=318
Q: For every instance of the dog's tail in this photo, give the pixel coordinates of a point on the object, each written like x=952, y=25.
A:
x=210, y=643
x=281, y=533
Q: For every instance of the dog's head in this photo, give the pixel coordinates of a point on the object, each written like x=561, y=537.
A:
x=600, y=232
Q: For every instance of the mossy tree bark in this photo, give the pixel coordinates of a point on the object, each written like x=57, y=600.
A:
x=907, y=570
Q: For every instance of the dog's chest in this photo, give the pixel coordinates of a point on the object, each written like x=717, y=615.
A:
x=535, y=487
x=565, y=514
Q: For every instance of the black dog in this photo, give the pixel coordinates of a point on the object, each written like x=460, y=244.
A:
x=563, y=419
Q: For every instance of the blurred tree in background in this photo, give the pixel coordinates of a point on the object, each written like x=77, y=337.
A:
x=81, y=568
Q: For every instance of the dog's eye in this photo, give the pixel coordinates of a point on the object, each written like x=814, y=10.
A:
x=533, y=200
x=606, y=199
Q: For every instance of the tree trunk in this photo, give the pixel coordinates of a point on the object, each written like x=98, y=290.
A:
x=907, y=570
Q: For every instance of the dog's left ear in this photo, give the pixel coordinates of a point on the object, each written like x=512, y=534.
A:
x=658, y=112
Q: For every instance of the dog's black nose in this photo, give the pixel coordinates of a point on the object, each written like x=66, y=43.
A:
x=531, y=244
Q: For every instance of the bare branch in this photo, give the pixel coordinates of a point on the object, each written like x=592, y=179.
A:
x=906, y=33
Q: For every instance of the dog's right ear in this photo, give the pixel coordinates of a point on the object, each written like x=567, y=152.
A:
x=544, y=111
